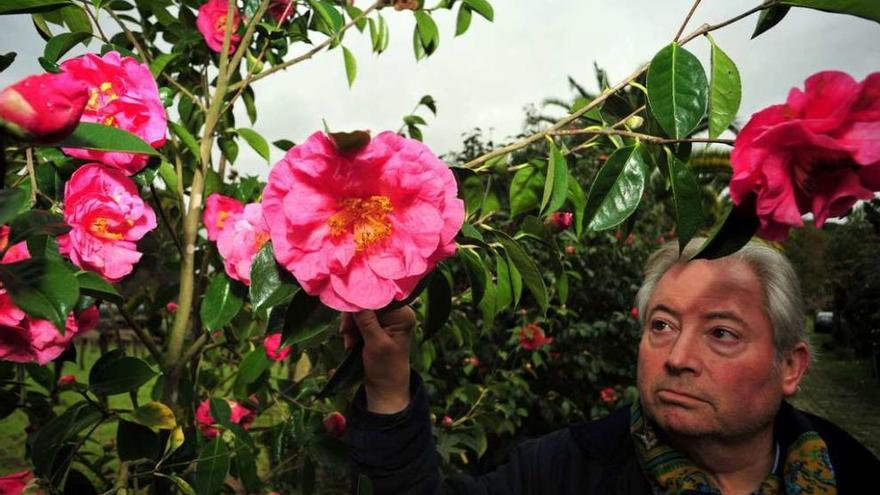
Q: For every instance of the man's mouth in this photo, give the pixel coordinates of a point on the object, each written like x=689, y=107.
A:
x=672, y=396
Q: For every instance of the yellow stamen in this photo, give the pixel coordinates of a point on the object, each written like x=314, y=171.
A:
x=99, y=229
x=366, y=219
x=221, y=218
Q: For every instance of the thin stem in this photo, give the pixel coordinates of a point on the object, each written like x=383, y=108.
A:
x=617, y=124
x=142, y=335
x=706, y=28
x=197, y=346
x=164, y=216
x=644, y=137
x=686, y=20
x=309, y=54
x=29, y=155
x=94, y=17
x=130, y=36
x=246, y=39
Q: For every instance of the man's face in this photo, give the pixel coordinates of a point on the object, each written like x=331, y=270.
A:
x=706, y=358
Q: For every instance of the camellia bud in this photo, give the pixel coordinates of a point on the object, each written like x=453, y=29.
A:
x=44, y=108
x=334, y=423
x=446, y=422
x=570, y=250
x=634, y=122
x=559, y=221
x=66, y=381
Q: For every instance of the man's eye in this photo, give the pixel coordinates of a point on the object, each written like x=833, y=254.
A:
x=724, y=335
x=659, y=325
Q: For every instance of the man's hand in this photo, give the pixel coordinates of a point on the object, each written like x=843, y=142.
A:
x=386, y=355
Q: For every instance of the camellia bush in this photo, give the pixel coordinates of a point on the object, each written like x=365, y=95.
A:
x=215, y=297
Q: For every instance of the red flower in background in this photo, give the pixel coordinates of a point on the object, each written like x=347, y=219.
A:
x=238, y=414
x=271, y=344
x=15, y=483
x=334, y=423
x=531, y=337
x=608, y=395
x=560, y=220
x=818, y=153
x=211, y=22
x=43, y=108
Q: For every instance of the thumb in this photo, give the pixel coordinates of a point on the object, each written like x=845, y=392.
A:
x=368, y=323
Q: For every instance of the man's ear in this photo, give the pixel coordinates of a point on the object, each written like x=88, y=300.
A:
x=792, y=368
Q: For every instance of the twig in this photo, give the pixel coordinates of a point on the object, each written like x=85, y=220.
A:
x=130, y=36
x=617, y=124
x=686, y=20
x=29, y=154
x=470, y=413
x=309, y=54
x=144, y=337
x=197, y=346
x=86, y=5
x=644, y=137
x=164, y=217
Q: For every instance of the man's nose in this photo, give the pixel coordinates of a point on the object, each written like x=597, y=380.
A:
x=684, y=354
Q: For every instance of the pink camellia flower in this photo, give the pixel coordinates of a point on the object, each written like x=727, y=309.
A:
x=219, y=209
x=532, y=337
x=25, y=339
x=560, y=220
x=108, y=217
x=43, y=108
x=211, y=22
x=15, y=483
x=334, y=423
x=360, y=228
x=271, y=344
x=819, y=153
x=123, y=94
x=608, y=395
x=238, y=414
x=241, y=240
x=282, y=10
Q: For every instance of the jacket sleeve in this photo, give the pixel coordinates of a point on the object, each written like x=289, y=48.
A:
x=397, y=452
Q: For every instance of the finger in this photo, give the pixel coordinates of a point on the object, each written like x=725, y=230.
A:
x=403, y=318
x=346, y=324
x=368, y=323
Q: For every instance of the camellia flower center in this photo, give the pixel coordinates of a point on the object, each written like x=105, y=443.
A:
x=366, y=219
x=99, y=228
x=220, y=24
x=98, y=97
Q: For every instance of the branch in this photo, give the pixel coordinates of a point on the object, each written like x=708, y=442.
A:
x=164, y=217
x=644, y=137
x=143, y=336
x=309, y=54
x=686, y=20
x=248, y=34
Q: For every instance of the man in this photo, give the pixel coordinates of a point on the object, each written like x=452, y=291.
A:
x=723, y=345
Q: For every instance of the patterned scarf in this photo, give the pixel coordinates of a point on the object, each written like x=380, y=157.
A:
x=806, y=470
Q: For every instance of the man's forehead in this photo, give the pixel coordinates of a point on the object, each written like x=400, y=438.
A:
x=719, y=286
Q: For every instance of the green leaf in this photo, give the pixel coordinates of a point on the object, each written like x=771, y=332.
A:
x=250, y=103
x=504, y=285
x=29, y=6
x=256, y=141
x=556, y=185
x=579, y=204
x=134, y=442
x=105, y=138
x=41, y=287
x=429, y=102
x=181, y=484
x=222, y=302
x=76, y=19
x=439, y=304
x=251, y=367
x=155, y=415
x=159, y=63
x=725, y=91
x=463, y=19
x=120, y=376
x=11, y=202
x=350, y=65
x=283, y=144
x=483, y=8
x=868, y=9
x=6, y=60
x=733, y=231
x=62, y=43
x=678, y=91
x=51, y=437
x=356, y=13
x=428, y=34
x=476, y=273
x=617, y=189
x=188, y=140
x=524, y=189
x=686, y=196
x=304, y=318
x=270, y=283
x=769, y=18
x=211, y=468
x=328, y=15
x=92, y=284
x=526, y=266
x=34, y=223
x=169, y=176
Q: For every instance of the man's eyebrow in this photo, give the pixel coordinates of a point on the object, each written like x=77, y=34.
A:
x=725, y=315
x=667, y=309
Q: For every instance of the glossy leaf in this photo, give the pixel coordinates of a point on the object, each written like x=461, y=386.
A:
x=105, y=138
x=617, y=189
x=251, y=367
x=463, y=19
x=527, y=268
x=270, y=283
x=34, y=223
x=556, y=184
x=428, y=34
x=482, y=7
x=92, y=284
x=579, y=205
x=769, y=18
x=30, y=6
x=134, y=441
x=350, y=65
x=439, y=303
x=678, y=91
x=733, y=231
x=119, y=376
x=62, y=43
x=686, y=196
x=868, y=9
x=305, y=318
x=725, y=91
x=6, y=60
x=223, y=300
x=211, y=468
x=76, y=19
x=48, y=440
x=11, y=202
x=256, y=141
x=155, y=415
x=525, y=189
x=159, y=63
x=41, y=287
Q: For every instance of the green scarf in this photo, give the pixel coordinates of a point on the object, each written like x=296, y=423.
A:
x=806, y=470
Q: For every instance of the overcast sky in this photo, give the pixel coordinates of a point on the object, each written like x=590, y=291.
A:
x=485, y=77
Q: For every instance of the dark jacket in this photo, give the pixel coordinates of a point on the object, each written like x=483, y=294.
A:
x=397, y=453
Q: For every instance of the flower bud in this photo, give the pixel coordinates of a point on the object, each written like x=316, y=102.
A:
x=634, y=122
x=44, y=108
x=570, y=250
x=66, y=381
x=559, y=221
x=446, y=422
x=334, y=423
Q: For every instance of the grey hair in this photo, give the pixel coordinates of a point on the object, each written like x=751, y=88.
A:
x=783, y=302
